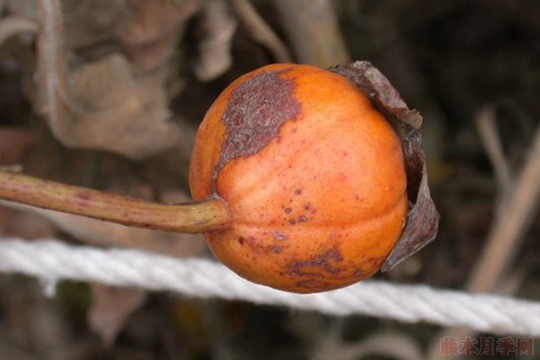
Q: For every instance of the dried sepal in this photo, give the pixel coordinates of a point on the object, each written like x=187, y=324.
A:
x=423, y=219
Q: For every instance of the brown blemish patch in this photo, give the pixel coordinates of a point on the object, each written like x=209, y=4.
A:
x=328, y=261
x=258, y=246
x=303, y=218
x=255, y=112
x=254, y=244
x=288, y=210
x=277, y=249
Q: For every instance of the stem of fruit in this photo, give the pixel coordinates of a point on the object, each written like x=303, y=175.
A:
x=198, y=217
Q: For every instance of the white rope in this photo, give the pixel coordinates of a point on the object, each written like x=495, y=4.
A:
x=52, y=260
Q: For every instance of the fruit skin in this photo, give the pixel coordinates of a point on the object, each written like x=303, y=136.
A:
x=313, y=176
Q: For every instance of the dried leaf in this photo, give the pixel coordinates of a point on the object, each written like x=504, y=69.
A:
x=101, y=105
x=111, y=309
x=218, y=27
x=116, y=111
x=149, y=30
x=145, y=31
x=423, y=219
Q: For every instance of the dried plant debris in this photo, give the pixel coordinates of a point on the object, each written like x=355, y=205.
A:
x=103, y=104
x=218, y=27
x=423, y=219
x=313, y=31
x=261, y=31
x=15, y=25
x=147, y=32
x=111, y=309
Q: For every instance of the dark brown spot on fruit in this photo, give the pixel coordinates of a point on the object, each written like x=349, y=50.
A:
x=241, y=240
x=255, y=112
x=302, y=218
x=288, y=210
x=277, y=249
x=297, y=191
x=328, y=261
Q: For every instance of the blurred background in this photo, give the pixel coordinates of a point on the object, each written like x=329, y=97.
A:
x=135, y=78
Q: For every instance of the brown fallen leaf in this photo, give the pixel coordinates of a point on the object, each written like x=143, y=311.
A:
x=218, y=27
x=102, y=104
x=149, y=30
x=111, y=309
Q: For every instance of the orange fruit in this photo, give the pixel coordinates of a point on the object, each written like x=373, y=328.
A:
x=313, y=176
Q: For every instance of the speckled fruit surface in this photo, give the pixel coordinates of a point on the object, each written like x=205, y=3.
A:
x=313, y=176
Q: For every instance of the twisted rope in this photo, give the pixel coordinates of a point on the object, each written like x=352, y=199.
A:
x=53, y=261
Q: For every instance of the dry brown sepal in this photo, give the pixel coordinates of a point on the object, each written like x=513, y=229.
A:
x=423, y=219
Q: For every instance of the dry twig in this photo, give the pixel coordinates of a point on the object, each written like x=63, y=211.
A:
x=514, y=217
x=260, y=30
x=487, y=128
x=313, y=31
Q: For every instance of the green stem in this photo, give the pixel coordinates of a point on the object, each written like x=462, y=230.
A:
x=191, y=217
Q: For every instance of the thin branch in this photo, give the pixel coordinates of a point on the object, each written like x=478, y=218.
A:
x=487, y=128
x=261, y=31
x=513, y=220
x=313, y=30
x=52, y=68
x=190, y=217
